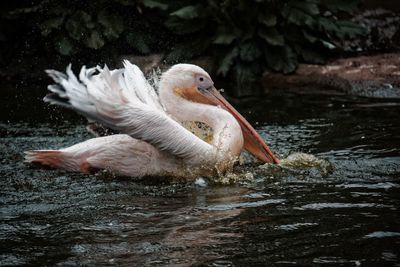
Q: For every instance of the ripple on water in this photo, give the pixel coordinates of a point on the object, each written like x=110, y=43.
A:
x=296, y=226
x=382, y=234
x=319, y=206
x=336, y=260
x=303, y=212
x=230, y=206
x=384, y=185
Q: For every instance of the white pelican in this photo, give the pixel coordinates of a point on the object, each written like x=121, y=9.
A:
x=153, y=141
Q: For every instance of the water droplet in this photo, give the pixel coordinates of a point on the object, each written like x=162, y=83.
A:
x=200, y=182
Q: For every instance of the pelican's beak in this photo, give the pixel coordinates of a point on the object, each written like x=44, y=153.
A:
x=253, y=142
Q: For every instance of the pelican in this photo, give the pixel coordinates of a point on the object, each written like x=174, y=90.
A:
x=152, y=140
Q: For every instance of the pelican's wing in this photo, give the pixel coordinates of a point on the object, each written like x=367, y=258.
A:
x=123, y=100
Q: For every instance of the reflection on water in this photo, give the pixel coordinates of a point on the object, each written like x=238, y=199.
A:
x=345, y=215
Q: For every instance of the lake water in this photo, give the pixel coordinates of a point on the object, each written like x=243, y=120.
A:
x=348, y=215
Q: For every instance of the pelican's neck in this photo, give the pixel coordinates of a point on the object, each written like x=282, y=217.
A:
x=227, y=134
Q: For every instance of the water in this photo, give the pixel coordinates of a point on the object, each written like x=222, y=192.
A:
x=346, y=215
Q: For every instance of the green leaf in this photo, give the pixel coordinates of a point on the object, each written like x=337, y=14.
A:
x=225, y=38
x=78, y=25
x=328, y=45
x=249, y=51
x=310, y=8
x=228, y=61
x=28, y=10
x=281, y=59
x=327, y=25
x=298, y=17
x=155, y=4
x=64, y=46
x=138, y=41
x=309, y=37
x=289, y=60
x=245, y=76
x=185, y=27
x=112, y=24
x=94, y=41
x=268, y=20
x=50, y=24
x=341, y=5
x=272, y=36
x=187, y=12
x=310, y=55
x=74, y=30
x=349, y=29
x=126, y=2
x=191, y=48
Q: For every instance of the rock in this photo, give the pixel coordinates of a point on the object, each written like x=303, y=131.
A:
x=375, y=76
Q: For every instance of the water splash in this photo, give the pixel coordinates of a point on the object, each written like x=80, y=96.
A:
x=154, y=78
x=299, y=162
x=232, y=178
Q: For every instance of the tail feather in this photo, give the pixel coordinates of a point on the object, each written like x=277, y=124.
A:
x=50, y=158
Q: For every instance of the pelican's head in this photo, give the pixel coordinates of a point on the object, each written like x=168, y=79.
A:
x=192, y=83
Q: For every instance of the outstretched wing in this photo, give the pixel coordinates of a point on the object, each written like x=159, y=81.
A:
x=123, y=100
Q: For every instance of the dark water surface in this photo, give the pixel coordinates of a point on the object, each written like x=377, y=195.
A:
x=348, y=217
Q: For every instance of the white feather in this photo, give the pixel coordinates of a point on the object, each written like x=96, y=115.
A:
x=123, y=100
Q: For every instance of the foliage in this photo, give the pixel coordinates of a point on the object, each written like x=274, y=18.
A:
x=244, y=36
x=248, y=36
x=74, y=26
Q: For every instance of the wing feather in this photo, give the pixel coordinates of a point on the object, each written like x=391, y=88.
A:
x=136, y=83
x=123, y=100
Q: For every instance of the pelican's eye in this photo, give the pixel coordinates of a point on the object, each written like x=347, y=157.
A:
x=204, y=83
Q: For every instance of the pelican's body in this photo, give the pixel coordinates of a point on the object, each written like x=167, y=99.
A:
x=153, y=142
